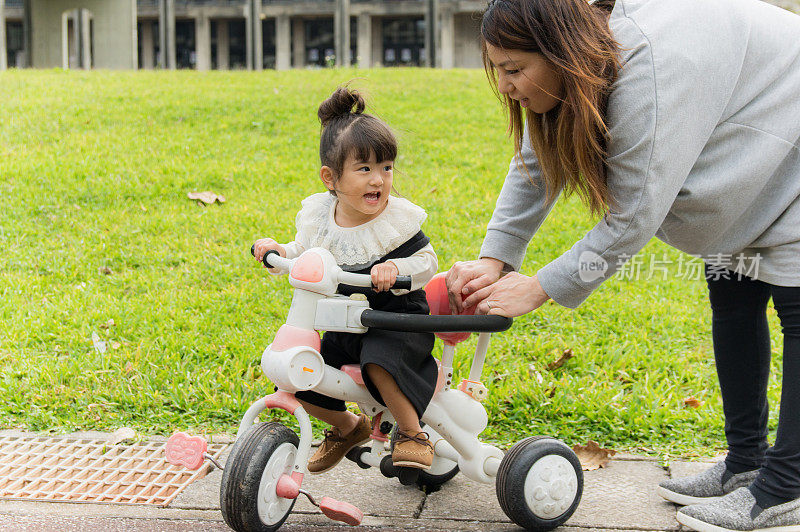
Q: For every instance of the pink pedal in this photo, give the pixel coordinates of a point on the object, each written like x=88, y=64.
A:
x=186, y=450
x=341, y=511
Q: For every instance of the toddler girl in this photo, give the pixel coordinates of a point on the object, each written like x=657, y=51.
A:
x=368, y=231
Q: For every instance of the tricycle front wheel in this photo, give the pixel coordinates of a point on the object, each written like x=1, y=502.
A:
x=539, y=483
x=248, y=496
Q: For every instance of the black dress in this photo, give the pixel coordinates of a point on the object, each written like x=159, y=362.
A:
x=406, y=356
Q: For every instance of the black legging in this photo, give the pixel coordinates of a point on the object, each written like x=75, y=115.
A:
x=742, y=353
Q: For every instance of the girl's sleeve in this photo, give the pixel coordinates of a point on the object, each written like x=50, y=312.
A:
x=293, y=249
x=421, y=266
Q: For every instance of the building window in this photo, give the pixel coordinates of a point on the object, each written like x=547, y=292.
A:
x=268, y=39
x=404, y=41
x=15, y=44
x=186, y=57
x=320, y=49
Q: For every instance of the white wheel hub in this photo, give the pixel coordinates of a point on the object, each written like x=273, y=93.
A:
x=551, y=486
x=272, y=508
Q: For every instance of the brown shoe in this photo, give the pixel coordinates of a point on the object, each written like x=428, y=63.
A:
x=412, y=451
x=335, y=446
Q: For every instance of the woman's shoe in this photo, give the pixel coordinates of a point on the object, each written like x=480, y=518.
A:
x=412, y=451
x=739, y=512
x=335, y=446
x=707, y=486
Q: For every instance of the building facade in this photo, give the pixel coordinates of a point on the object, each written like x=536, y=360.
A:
x=243, y=34
x=239, y=34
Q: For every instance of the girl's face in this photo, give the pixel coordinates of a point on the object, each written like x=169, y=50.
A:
x=362, y=189
x=527, y=77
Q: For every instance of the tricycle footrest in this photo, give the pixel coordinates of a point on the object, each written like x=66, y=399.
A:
x=341, y=511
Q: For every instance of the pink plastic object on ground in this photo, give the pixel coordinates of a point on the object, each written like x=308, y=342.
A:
x=439, y=303
x=185, y=450
x=341, y=511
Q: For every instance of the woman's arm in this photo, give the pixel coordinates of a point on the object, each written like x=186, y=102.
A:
x=665, y=106
x=520, y=210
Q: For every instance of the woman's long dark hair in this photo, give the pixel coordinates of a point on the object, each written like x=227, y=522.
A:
x=569, y=140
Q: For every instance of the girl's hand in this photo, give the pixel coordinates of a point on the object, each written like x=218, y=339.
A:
x=383, y=276
x=263, y=245
x=466, y=278
x=513, y=295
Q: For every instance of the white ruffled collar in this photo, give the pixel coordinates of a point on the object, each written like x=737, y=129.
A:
x=359, y=246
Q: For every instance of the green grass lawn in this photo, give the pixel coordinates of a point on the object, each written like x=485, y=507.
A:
x=95, y=226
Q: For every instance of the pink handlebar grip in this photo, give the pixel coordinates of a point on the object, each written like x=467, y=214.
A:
x=185, y=450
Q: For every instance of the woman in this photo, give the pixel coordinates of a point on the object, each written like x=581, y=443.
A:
x=678, y=119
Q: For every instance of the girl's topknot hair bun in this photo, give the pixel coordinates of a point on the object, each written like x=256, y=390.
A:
x=341, y=103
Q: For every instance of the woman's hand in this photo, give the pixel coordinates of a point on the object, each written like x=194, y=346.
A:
x=383, y=276
x=466, y=278
x=513, y=295
x=263, y=245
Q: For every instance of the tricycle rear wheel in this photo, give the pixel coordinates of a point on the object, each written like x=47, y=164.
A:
x=539, y=483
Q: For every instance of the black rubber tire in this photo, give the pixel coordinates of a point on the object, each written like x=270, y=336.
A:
x=354, y=455
x=426, y=481
x=513, y=471
x=238, y=491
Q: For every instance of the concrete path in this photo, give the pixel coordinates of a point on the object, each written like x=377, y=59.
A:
x=619, y=497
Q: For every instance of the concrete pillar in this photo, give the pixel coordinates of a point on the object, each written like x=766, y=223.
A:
x=223, y=45
x=299, y=42
x=254, y=35
x=27, y=31
x=283, y=43
x=364, y=40
x=3, y=51
x=377, y=41
x=77, y=40
x=166, y=34
x=431, y=35
x=341, y=32
x=148, y=45
x=202, y=41
x=447, y=36
x=65, y=48
x=85, y=37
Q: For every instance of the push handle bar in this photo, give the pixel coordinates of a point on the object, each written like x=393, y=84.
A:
x=349, y=282
x=394, y=321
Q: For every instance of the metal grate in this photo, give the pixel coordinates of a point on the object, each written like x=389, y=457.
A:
x=89, y=470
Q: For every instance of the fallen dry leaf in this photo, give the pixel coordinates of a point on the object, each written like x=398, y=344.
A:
x=206, y=197
x=693, y=402
x=122, y=434
x=107, y=325
x=566, y=355
x=592, y=456
x=105, y=270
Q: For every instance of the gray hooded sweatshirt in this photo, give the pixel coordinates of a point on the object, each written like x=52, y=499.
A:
x=704, y=149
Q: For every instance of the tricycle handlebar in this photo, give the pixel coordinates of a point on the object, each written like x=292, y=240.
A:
x=394, y=321
x=352, y=282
